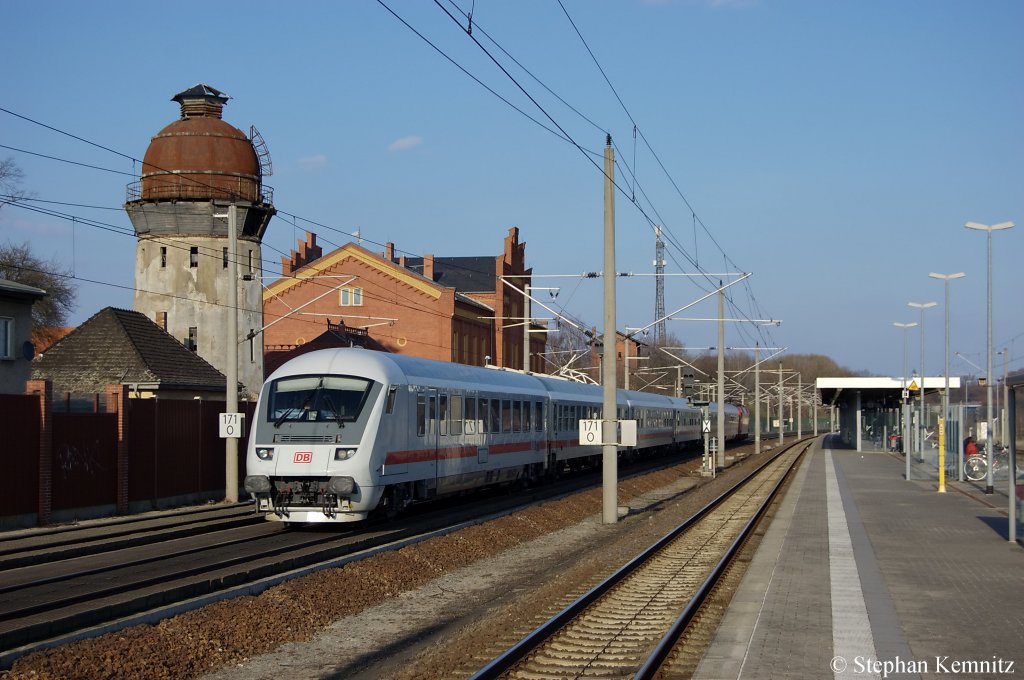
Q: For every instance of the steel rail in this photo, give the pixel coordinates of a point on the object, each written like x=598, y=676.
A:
x=521, y=649
x=668, y=642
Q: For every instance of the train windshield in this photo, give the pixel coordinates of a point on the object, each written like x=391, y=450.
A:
x=317, y=398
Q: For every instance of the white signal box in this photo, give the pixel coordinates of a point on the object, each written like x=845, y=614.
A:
x=591, y=433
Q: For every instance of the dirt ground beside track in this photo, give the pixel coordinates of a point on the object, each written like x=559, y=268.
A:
x=440, y=608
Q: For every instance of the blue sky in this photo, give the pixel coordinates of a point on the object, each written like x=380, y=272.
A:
x=832, y=148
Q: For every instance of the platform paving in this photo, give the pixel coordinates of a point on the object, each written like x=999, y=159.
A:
x=863, y=574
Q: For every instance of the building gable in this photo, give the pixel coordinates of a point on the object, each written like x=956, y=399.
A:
x=350, y=251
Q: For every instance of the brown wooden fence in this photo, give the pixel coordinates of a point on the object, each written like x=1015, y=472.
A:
x=140, y=454
x=20, y=454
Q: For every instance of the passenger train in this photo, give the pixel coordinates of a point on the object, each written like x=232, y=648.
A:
x=340, y=433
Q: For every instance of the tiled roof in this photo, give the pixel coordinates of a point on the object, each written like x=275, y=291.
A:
x=464, y=274
x=122, y=346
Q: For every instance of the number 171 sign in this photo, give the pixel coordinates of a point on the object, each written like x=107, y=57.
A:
x=232, y=425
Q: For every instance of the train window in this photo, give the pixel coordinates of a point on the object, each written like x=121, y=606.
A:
x=527, y=409
x=317, y=398
x=456, y=414
x=442, y=413
x=494, y=413
x=431, y=415
x=392, y=392
x=421, y=415
x=471, y=415
x=485, y=410
x=517, y=416
x=506, y=415
x=538, y=415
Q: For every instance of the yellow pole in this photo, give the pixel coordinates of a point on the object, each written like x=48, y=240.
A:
x=942, y=455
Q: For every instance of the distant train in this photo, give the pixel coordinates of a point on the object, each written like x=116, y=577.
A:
x=340, y=433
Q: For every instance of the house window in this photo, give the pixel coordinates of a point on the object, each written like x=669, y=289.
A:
x=161, y=320
x=193, y=338
x=6, y=337
x=351, y=297
x=163, y=256
x=193, y=256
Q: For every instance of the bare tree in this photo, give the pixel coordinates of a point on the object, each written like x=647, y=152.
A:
x=18, y=263
x=10, y=182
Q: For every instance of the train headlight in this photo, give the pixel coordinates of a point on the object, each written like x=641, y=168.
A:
x=341, y=486
x=265, y=453
x=343, y=454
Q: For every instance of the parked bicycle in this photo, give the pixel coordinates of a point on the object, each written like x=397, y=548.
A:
x=976, y=465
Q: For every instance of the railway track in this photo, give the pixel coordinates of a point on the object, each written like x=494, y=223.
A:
x=628, y=625
x=67, y=583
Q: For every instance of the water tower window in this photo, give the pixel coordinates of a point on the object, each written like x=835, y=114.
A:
x=250, y=262
x=193, y=338
x=163, y=256
x=224, y=258
x=193, y=256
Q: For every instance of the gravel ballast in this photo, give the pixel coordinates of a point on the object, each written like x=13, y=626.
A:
x=439, y=608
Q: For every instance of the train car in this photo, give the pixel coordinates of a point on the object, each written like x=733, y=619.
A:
x=340, y=433
x=737, y=421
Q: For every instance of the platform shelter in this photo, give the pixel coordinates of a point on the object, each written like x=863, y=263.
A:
x=885, y=414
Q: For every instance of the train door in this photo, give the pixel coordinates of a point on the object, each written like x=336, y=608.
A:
x=431, y=440
x=422, y=454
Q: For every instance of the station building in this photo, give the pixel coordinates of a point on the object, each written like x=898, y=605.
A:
x=456, y=309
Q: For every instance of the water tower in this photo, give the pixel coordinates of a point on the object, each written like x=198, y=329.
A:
x=192, y=171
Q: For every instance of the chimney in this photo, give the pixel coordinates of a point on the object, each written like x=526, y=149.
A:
x=308, y=252
x=428, y=266
x=389, y=251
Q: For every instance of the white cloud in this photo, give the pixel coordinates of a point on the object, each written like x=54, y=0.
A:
x=405, y=143
x=313, y=163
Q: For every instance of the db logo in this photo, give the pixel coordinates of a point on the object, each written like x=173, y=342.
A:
x=303, y=456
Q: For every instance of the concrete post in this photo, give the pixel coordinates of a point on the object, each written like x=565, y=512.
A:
x=609, y=452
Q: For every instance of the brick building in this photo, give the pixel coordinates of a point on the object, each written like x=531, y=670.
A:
x=444, y=308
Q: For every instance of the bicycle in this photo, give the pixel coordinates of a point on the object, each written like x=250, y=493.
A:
x=976, y=465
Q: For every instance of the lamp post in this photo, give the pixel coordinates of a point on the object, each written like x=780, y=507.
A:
x=946, y=278
x=988, y=343
x=921, y=424
x=903, y=394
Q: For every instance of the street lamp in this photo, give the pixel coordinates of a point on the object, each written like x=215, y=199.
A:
x=920, y=440
x=988, y=344
x=903, y=395
x=945, y=392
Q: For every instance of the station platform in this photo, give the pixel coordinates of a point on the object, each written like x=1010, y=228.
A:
x=863, y=574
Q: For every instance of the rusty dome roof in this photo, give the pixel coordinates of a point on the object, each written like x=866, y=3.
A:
x=201, y=156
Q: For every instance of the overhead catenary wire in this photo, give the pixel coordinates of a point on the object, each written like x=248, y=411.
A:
x=634, y=183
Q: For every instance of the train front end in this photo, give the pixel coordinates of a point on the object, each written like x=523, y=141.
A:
x=309, y=454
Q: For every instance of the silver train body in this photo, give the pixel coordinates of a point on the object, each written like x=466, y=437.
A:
x=340, y=433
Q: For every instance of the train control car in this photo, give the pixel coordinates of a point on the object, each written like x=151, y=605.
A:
x=338, y=434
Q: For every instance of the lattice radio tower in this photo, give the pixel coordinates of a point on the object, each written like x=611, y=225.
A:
x=659, y=288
